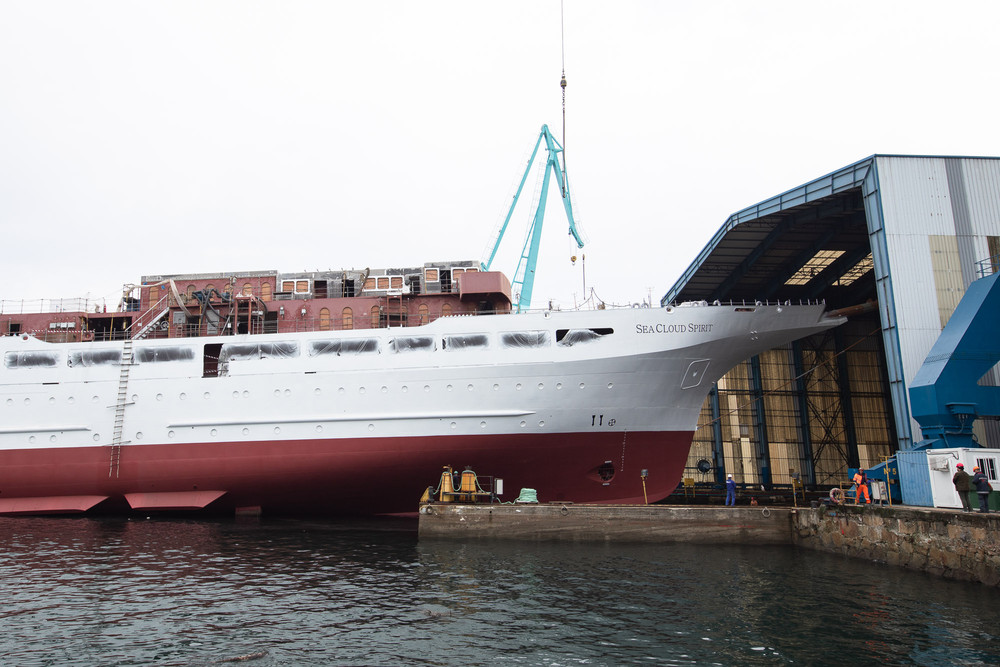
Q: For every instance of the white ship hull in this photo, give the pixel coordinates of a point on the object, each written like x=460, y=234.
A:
x=362, y=421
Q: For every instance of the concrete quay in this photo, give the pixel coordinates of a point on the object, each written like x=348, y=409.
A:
x=947, y=543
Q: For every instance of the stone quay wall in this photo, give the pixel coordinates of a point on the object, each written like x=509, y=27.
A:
x=950, y=544
x=606, y=523
x=945, y=543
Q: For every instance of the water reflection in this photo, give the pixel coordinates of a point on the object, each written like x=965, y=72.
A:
x=114, y=591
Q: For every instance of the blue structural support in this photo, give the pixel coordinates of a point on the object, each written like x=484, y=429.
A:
x=760, y=421
x=806, y=453
x=945, y=395
x=718, y=451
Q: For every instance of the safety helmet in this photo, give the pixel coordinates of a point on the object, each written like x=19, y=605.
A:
x=959, y=465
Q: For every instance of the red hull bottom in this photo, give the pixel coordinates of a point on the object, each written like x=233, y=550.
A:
x=362, y=476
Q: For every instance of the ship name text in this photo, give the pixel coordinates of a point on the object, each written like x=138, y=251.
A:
x=689, y=327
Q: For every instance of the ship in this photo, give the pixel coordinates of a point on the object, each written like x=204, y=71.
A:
x=348, y=392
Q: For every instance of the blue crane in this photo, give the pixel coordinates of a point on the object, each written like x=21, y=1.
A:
x=945, y=395
x=524, y=276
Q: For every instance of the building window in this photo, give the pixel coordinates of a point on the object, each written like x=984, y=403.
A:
x=422, y=314
x=431, y=275
x=445, y=310
x=247, y=289
x=265, y=292
x=324, y=319
x=376, y=317
x=347, y=318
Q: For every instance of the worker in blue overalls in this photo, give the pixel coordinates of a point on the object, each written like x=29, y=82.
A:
x=730, y=490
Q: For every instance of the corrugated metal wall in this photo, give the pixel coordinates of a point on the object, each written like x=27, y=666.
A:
x=938, y=215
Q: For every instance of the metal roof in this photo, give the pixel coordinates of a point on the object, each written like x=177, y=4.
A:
x=757, y=250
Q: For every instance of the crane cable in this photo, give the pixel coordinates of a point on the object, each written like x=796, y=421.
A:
x=562, y=84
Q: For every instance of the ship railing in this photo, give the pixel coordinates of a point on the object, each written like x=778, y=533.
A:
x=988, y=266
x=363, y=321
x=29, y=306
x=746, y=303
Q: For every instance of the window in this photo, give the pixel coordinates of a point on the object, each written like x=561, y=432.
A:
x=94, y=358
x=814, y=266
x=265, y=292
x=287, y=285
x=524, y=339
x=301, y=286
x=31, y=359
x=412, y=344
x=151, y=355
x=570, y=337
x=382, y=282
x=376, y=314
x=422, y=314
x=324, y=319
x=247, y=289
x=989, y=467
x=341, y=347
x=465, y=341
x=347, y=318
x=250, y=351
x=154, y=295
x=431, y=275
x=445, y=309
x=396, y=282
x=370, y=283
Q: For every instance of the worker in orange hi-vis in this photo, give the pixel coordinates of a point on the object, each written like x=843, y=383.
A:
x=861, y=481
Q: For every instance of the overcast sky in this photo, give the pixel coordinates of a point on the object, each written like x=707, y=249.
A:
x=140, y=138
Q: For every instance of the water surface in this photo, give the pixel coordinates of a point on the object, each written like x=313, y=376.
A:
x=115, y=591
